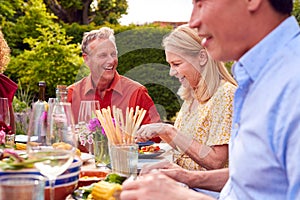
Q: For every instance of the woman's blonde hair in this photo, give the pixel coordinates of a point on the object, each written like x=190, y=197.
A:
x=186, y=42
x=4, y=53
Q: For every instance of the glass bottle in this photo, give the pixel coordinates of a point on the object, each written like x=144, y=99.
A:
x=42, y=90
x=62, y=121
x=61, y=93
x=39, y=115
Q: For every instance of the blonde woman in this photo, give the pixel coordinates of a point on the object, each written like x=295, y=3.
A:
x=201, y=131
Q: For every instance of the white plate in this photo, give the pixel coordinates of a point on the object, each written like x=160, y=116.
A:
x=151, y=155
x=24, y=138
x=86, y=157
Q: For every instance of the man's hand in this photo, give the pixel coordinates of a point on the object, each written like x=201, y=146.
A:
x=156, y=185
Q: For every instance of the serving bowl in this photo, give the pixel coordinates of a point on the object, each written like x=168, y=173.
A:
x=87, y=177
x=65, y=184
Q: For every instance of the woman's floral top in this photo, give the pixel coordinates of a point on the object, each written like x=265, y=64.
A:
x=209, y=123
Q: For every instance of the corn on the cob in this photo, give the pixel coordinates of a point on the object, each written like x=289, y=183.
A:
x=20, y=146
x=106, y=191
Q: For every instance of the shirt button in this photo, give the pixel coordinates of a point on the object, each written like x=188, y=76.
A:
x=236, y=125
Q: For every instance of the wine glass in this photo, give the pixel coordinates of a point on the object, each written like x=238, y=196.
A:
x=5, y=123
x=87, y=111
x=4, y=111
x=54, y=153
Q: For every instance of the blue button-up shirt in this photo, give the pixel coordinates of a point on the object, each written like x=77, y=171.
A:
x=264, y=151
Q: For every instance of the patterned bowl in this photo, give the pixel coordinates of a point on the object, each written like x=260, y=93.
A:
x=65, y=184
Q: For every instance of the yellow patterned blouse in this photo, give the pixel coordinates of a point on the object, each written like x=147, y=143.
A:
x=208, y=123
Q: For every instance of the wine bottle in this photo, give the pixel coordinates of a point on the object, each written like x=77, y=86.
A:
x=40, y=109
x=42, y=90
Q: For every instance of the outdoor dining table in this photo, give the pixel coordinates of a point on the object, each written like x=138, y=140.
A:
x=166, y=155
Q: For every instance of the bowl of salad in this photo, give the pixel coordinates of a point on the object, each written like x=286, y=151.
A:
x=15, y=162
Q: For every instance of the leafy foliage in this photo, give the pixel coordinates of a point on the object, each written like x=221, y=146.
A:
x=87, y=11
x=161, y=87
x=75, y=31
x=51, y=59
x=109, y=11
x=25, y=26
x=296, y=10
x=9, y=10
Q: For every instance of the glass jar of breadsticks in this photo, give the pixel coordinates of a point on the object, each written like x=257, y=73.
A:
x=120, y=129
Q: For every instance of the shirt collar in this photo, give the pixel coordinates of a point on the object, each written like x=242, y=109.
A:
x=116, y=85
x=255, y=60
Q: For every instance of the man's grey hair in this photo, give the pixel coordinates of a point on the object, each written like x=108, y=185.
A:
x=102, y=33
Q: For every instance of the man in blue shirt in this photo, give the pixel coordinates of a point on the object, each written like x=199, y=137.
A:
x=264, y=39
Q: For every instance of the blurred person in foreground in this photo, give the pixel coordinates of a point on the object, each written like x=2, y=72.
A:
x=264, y=40
x=104, y=83
x=202, y=128
x=7, y=86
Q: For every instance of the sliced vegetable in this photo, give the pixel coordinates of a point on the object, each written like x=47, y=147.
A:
x=115, y=178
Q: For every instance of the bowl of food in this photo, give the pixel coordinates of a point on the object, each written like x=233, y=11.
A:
x=65, y=183
x=88, y=177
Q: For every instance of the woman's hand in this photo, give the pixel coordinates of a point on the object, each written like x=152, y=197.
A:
x=148, y=131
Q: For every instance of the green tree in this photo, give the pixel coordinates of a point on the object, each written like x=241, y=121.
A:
x=87, y=11
x=41, y=50
x=51, y=59
x=32, y=15
x=10, y=10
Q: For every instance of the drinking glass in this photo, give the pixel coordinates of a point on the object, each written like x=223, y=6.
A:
x=5, y=122
x=124, y=159
x=4, y=111
x=87, y=111
x=55, y=153
x=22, y=186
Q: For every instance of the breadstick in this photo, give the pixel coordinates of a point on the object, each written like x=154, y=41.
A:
x=117, y=124
x=103, y=124
x=139, y=120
